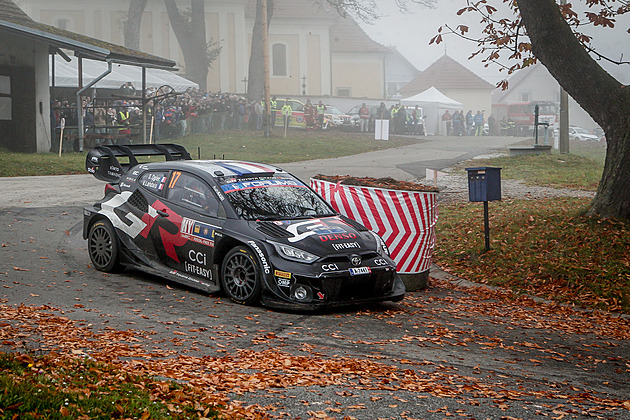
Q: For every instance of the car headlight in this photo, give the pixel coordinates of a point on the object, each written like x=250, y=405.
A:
x=381, y=246
x=294, y=254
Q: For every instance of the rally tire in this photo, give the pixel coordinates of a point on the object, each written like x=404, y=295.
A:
x=103, y=247
x=241, y=278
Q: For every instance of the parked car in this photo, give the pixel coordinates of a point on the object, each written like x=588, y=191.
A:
x=297, y=117
x=334, y=118
x=582, y=134
x=249, y=229
x=355, y=118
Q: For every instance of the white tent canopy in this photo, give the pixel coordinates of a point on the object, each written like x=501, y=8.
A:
x=433, y=103
x=66, y=75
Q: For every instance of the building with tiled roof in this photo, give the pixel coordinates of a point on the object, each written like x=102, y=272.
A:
x=311, y=47
x=455, y=81
x=535, y=83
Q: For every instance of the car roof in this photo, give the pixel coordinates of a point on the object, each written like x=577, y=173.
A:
x=219, y=168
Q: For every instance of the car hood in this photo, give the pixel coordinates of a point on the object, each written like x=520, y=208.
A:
x=322, y=236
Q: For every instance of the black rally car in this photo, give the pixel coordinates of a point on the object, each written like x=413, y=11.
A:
x=250, y=229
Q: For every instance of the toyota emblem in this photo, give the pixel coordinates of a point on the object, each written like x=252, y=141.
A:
x=355, y=260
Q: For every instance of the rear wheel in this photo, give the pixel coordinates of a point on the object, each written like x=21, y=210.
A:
x=240, y=276
x=103, y=246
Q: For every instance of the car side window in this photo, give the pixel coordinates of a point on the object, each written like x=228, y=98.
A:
x=191, y=192
x=153, y=181
x=296, y=106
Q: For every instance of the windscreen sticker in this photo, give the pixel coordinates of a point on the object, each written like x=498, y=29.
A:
x=247, y=185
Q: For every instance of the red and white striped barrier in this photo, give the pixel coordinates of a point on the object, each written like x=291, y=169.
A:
x=404, y=219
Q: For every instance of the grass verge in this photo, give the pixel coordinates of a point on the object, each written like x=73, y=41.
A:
x=545, y=247
x=238, y=145
x=581, y=169
x=49, y=388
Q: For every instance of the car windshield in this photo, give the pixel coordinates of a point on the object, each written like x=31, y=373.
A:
x=274, y=198
x=581, y=130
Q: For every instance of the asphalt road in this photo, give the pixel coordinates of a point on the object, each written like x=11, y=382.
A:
x=445, y=352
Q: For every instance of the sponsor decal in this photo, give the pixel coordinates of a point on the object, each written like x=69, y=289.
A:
x=359, y=270
x=219, y=193
x=337, y=236
x=380, y=261
x=135, y=173
x=282, y=274
x=261, y=255
x=94, y=159
x=320, y=295
x=197, y=270
x=247, y=185
x=284, y=282
x=129, y=223
x=330, y=267
x=197, y=231
x=345, y=245
x=91, y=170
x=184, y=276
x=308, y=227
x=197, y=257
x=326, y=230
x=125, y=185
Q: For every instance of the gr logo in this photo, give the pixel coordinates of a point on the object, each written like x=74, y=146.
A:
x=330, y=267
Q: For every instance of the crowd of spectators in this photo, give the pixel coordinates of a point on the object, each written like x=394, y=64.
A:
x=191, y=112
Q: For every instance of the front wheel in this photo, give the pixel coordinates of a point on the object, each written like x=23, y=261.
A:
x=103, y=247
x=240, y=276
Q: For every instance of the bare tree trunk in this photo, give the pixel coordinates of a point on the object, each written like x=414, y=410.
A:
x=191, y=36
x=605, y=99
x=256, y=78
x=133, y=23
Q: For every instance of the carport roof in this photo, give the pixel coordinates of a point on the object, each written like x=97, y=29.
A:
x=13, y=19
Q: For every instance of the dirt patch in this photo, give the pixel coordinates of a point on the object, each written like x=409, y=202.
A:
x=385, y=183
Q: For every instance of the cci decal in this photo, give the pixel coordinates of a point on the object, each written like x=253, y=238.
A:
x=197, y=232
x=261, y=255
x=330, y=267
x=380, y=261
x=282, y=274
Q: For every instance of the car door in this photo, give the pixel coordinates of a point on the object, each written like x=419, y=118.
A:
x=195, y=215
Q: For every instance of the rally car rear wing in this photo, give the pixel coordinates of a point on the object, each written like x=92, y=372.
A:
x=103, y=163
